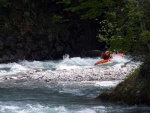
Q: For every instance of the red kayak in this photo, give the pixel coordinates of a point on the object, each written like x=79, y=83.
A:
x=107, y=60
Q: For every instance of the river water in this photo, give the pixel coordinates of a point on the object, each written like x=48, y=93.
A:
x=59, y=96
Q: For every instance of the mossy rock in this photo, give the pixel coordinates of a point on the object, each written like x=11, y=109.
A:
x=134, y=90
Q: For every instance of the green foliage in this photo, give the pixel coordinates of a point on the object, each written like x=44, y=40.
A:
x=43, y=16
x=145, y=68
x=58, y=25
x=124, y=24
x=89, y=9
x=57, y=18
x=116, y=42
x=128, y=31
x=3, y=3
x=106, y=31
x=64, y=1
x=145, y=35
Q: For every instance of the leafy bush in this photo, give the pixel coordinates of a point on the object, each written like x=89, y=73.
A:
x=145, y=67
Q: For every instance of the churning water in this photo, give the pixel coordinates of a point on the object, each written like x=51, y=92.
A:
x=59, y=96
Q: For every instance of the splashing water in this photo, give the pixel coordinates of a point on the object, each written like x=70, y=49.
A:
x=66, y=63
x=59, y=96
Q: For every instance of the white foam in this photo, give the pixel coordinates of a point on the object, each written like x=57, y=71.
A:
x=12, y=68
x=121, y=59
x=61, y=109
x=32, y=64
x=16, y=67
x=76, y=63
x=65, y=64
x=67, y=67
x=71, y=91
x=107, y=83
x=4, y=108
x=86, y=111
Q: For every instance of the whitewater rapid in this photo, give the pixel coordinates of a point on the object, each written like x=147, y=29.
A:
x=63, y=86
x=68, y=69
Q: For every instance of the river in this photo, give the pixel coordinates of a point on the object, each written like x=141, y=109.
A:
x=22, y=92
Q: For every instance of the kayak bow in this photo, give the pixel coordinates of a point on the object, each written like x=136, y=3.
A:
x=109, y=59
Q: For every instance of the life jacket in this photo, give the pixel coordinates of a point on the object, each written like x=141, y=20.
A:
x=103, y=55
x=106, y=55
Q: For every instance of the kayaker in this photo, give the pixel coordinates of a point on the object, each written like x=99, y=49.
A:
x=106, y=55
